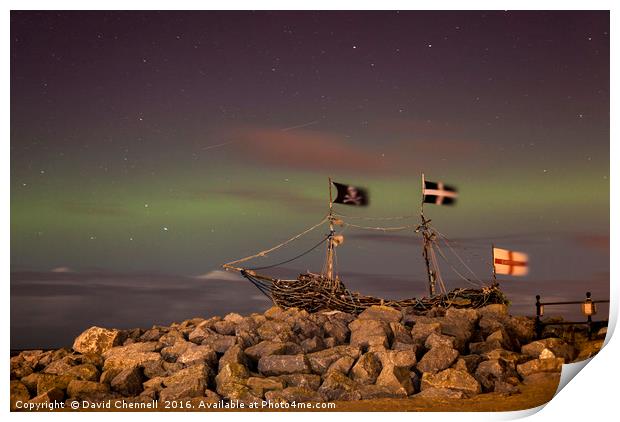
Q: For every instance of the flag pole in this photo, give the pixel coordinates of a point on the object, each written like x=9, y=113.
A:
x=493, y=264
x=422, y=203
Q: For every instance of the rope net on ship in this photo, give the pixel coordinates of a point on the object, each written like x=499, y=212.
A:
x=314, y=292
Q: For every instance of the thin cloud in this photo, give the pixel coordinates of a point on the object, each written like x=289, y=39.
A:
x=306, y=150
x=219, y=275
x=62, y=270
x=286, y=129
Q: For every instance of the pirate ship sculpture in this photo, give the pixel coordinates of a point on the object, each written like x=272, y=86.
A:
x=324, y=290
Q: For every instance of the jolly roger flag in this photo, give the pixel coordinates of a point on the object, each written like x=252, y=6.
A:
x=351, y=195
x=439, y=194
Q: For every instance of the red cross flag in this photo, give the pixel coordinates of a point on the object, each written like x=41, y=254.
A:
x=510, y=262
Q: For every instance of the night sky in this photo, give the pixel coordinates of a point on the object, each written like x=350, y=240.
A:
x=148, y=148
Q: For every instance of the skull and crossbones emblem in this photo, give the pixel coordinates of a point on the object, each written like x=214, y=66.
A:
x=352, y=196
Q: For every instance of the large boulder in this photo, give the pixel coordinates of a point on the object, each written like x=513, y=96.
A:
x=401, y=336
x=338, y=386
x=86, y=390
x=128, y=382
x=186, y=383
x=367, y=332
x=381, y=313
x=557, y=346
x=399, y=358
x=338, y=329
x=437, y=359
x=171, y=353
x=540, y=365
x=452, y=379
x=305, y=327
x=367, y=368
x=171, y=338
x=60, y=366
x=421, y=330
x=342, y=365
x=19, y=394
x=55, y=395
x=468, y=363
x=434, y=340
x=231, y=378
x=198, y=354
x=311, y=381
x=137, y=354
x=46, y=382
x=322, y=360
x=520, y=329
x=396, y=379
x=265, y=348
x=274, y=330
x=259, y=385
x=459, y=324
x=490, y=371
x=85, y=371
x=206, y=336
x=483, y=347
x=313, y=344
x=233, y=355
x=283, y=364
x=97, y=340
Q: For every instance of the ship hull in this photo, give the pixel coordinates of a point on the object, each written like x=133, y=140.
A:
x=313, y=292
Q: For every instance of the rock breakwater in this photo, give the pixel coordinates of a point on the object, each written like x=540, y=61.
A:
x=295, y=356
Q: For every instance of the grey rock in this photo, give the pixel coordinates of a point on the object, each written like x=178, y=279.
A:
x=381, y=313
x=435, y=339
x=322, y=360
x=437, y=359
x=490, y=371
x=396, y=379
x=557, y=346
x=283, y=364
x=452, y=379
x=97, y=340
x=421, y=330
x=540, y=365
x=369, y=331
x=19, y=393
x=366, y=369
x=85, y=390
x=338, y=386
x=128, y=382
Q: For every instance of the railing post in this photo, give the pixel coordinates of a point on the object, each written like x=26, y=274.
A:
x=589, y=298
x=538, y=324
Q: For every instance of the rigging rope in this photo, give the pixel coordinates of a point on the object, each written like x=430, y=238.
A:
x=267, y=251
x=400, y=217
x=384, y=229
x=445, y=240
x=454, y=269
x=293, y=258
x=436, y=268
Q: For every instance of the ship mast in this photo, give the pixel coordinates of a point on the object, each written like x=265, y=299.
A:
x=329, y=259
x=428, y=237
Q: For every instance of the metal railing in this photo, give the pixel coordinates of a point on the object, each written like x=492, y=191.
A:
x=588, y=308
